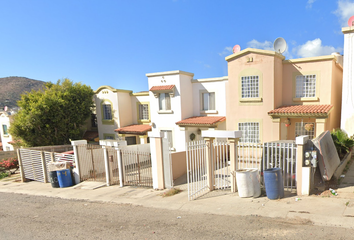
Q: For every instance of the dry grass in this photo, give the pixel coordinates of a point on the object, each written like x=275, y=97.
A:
x=171, y=192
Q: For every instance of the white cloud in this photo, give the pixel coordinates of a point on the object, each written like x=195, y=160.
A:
x=309, y=3
x=344, y=11
x=266, y=45
x=314, y=48
x=226, y=51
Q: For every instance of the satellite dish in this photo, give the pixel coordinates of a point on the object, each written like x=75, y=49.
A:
x=279, y=45
x=351, y=21
x=236, y=49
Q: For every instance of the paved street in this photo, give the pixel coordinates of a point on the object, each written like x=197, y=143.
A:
x=36, y=217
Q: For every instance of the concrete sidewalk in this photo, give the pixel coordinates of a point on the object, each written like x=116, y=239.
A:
x=326, y=211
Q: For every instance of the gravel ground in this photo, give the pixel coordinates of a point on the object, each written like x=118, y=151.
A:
x=33, y=217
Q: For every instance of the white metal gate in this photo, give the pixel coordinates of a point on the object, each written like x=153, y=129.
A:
x=196, y=169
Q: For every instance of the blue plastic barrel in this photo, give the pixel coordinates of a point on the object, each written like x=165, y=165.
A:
x=64, y=178
x=273, y=181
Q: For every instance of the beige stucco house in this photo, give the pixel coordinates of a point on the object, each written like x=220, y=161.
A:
x=270, y=98
x=122, y=114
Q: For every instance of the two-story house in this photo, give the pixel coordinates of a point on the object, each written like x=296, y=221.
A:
x=269, y=98
x=5, y=118
x=182, y=106
x=122, y=114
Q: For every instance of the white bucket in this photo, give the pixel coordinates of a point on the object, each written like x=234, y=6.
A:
x=255, y=182
x=244, y=183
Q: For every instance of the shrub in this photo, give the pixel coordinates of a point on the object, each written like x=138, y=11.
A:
x=342, y=142
x=9, y=164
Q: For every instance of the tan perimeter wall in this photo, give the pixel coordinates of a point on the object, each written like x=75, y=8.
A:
x=179, y=164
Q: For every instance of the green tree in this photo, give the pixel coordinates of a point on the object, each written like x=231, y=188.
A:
x=53, y=115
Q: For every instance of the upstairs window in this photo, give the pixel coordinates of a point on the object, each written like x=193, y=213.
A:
x=144, y=112
x=305, y=86
x=164, y=101
x=4, y=130
x=250, y=87
x=208, y=101
x=107, y=111
x=250, y=132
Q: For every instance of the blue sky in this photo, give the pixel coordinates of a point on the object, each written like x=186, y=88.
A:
x=115, y=43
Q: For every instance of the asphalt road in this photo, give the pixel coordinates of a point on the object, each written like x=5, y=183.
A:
x=33, y=217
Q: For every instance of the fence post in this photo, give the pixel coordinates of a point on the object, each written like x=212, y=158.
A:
x=77, y=172
x=106, y=164
x=23, y=179
x=233, y=162
x=44, y=167
x=157, y=159
x=120, y=167
x=209, y=162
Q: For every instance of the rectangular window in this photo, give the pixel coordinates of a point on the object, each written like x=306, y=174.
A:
x=250, y=132
x=301, y=130
x=208, y=101
x=4, y=130
x=107, y=111
x=250, y=87
x=305, y=86
x=164, y=101
x=168, y=135
x=144, y=111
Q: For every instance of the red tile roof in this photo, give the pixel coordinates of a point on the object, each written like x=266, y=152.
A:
x=134, y=129
x=206, y=121
x=164, y=87
x=309, y=110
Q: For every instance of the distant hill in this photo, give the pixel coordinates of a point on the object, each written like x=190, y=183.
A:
x=11, y=89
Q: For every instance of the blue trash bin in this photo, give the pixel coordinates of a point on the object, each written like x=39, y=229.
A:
x=64, y=178
x=273, y=181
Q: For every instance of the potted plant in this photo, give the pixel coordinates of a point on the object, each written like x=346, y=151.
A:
x=342, y=142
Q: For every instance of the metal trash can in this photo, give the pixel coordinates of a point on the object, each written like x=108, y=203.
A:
x=54, y=179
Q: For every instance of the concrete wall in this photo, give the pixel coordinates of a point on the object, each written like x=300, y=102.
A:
x=125, y=111
x=347, y=114
x=179, y=164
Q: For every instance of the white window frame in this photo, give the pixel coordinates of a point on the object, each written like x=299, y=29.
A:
x=208, y=101
x=300, y=129
x=306, y=86
x=6, y=133
x=107, y=111
x=250, y=87
x=250, y=132
x=164, y=102
x=144, y=111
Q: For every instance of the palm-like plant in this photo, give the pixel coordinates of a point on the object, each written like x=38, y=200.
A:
x=342, y=142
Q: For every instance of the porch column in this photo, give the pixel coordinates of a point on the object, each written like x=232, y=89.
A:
x=233, y=162
x=276, y=129
x=157, y=159
x=143, y=139
x=320, y=126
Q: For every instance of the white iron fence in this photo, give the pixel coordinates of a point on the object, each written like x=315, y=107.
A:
x=280, y=154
